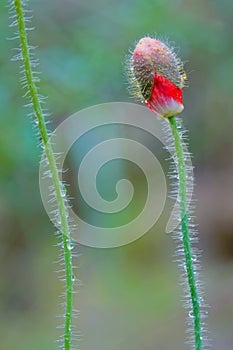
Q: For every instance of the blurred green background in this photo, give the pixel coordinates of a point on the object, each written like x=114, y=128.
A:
x=129, y=298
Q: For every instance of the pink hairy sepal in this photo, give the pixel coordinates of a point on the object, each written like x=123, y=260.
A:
x=160, y=77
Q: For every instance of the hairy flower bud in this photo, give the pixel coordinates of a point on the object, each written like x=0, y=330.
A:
x=157, y=77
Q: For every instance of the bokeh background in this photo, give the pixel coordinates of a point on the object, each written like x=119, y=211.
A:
x=129, y=298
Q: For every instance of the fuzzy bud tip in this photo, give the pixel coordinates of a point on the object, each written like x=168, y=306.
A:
x=157, y=77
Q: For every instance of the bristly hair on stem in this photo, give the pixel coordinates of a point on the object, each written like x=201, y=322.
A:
x=157, y=76
x=29, y=81
x=188, y=256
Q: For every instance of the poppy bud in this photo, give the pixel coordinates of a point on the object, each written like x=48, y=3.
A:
x=157, y=76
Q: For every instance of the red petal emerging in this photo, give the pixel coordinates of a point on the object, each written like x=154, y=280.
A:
x=166, y=98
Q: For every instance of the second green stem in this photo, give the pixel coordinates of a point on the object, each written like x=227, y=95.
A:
x=192, y=283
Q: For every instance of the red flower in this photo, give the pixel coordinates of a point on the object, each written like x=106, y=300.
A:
x=157, y=76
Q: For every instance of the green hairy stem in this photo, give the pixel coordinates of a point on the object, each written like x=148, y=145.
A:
x=192, y=283
x=62, y=210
